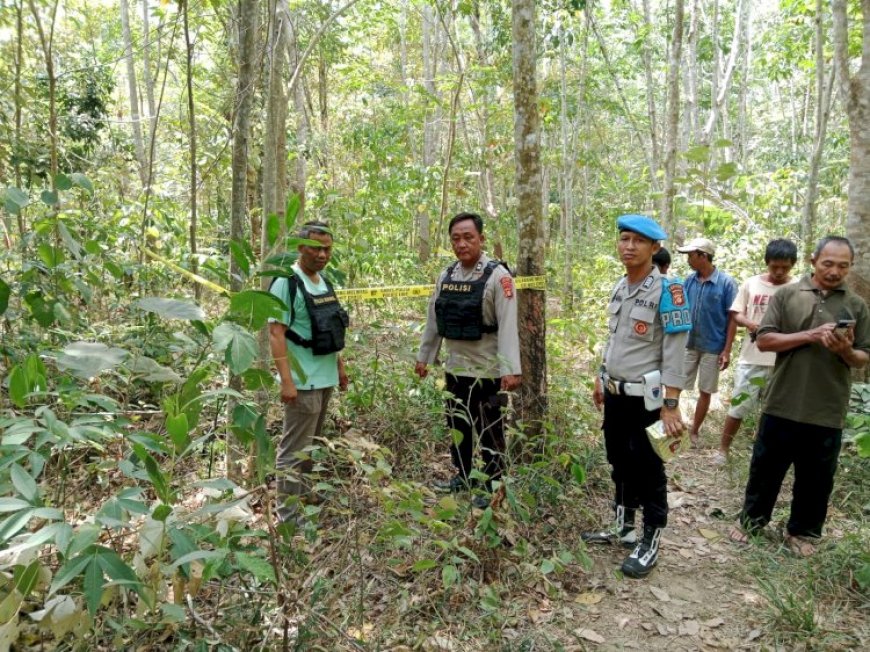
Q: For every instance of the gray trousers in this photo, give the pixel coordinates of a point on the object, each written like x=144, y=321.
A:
x=303, y=421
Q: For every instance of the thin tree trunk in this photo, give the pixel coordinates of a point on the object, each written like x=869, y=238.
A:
x=824, y=93
x=721, y=86
x=746, y=72
x=855, y=93
x=566, y=185
x=19, y=63
x=532, y=313
x=692, y=108
x=47, y=43
x=146, y=63
x=432, y=115
x=192, y=152
x=646, y=53
x=132, y=89
x=673, y=116
x=299, y=181
x=241, y=129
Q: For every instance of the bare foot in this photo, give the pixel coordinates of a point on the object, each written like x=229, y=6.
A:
x=738, y=535
x=800, y=546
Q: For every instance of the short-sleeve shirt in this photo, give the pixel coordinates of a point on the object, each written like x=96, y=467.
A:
x=710, y=301
x=321, y=371
x=811, y=384
x=752, y=300
x=637, y=343
x=495, y=354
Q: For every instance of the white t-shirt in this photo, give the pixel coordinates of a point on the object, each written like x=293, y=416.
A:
x=751, y=301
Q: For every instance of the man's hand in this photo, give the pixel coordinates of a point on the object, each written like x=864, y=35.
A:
x=509, y=383
x=672, y=420
x=724, y=360
x=839, y=341
x=598, y=394
x=288, y=391
x=421, y=370
x=343, y=380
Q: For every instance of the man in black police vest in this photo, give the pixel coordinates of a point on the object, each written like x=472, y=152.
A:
x=313, y=330
x=474, y=309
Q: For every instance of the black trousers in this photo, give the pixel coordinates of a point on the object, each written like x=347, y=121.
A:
x=638, y=473
x=814, y=451
x=475, y=410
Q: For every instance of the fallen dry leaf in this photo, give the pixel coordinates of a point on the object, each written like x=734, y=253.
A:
x=713, y=622
x=589, y=597
x=689, y=628
x=711, y=535
x=660, y=594
x=589, y=635
x=754, y=634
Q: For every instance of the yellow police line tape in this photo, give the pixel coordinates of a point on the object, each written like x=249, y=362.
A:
x=355, y=294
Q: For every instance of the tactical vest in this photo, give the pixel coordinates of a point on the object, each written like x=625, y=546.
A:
x=328, y=319
x=459, y=306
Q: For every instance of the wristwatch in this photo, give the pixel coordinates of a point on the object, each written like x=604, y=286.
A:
x=672, y=403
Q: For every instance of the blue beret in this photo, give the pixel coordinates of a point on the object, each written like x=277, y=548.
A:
x=645, y=226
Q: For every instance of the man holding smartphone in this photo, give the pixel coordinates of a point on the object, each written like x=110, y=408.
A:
x=819, y=330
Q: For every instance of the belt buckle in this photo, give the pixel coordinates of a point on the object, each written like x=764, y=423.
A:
x=612, y=386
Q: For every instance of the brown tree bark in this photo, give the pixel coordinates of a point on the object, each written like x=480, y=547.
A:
x=673, y=116
x=532, y=245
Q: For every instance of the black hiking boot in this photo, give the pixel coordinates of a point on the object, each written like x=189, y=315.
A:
x=622, y=533
x=645, y=555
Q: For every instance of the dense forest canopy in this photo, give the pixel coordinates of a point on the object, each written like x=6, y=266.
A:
x=156, y=156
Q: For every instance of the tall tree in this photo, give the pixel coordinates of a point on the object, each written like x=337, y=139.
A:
x=133, y=92
x=191, y=125
x=672, y=119
x=855, y=94
x=532, y=244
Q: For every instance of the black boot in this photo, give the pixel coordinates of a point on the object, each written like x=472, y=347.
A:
x=643, y=558
x=622, y=533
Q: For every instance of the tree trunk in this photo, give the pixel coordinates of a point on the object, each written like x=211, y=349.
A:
x=824, y=92
x=299, y=180
x=47, y=43
x=241, y=130
x=721, y=86
x=673, y=117
x=191, y=125
x=566, y=178
x=646, y=53
x=19, y=63
x=855, y=93
x=532, y=324
x=146, y=65
x=693, y=128
x=432, y=116
x=138, y=144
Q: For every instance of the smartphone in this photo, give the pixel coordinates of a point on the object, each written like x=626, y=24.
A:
x=843, y=324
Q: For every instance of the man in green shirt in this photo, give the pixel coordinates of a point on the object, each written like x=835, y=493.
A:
x=819, y=330
x=312, y=330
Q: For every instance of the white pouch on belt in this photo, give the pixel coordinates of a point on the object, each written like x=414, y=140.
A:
x=653, y=394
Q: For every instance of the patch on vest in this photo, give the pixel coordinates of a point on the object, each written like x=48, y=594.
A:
x=641, y=327
x=678, y=297
x=507, y=286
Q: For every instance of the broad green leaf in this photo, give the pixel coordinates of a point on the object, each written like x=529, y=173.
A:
x=698, y=154
x=17, y=197
x=71, y=243
x=161, y=486
x=41, y=308
x=726, y=170
x=252, y=308
x=18, y=386
x=197, y=555
x=49, y=197
x=862, y=442
x=294, y=203
x=579, y=473
x=115, y=568
x=24, y=484
x=88, y=359
x=178, y=430
x=449, y=575
x=239, y=255
x=93, y=584
x=255, y=379
x=468, y=553
x=239, y=346
x=171, y=308
x=547, y=566
x=273, y=228
x=424, y=565
x=62, y=182
x=256, y=566
x=50, y=256
x=5, y=292
x=68, y=572
x=152, y=371
x=13, y=524
x=24, y=579
x=82, y=181
x=162, y=512
x=12, y=504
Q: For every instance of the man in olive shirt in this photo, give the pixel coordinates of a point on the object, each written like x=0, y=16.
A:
x=819, y=330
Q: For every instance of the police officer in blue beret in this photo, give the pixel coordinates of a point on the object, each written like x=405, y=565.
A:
x=639, y=383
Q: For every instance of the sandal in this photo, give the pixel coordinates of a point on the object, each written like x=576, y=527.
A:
x=800, y=546
x=739, y=535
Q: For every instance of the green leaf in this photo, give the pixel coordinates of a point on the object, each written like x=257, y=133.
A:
x=698, y=154
x=93, y=584
x=161, y=487
x=62, y=182
x=171, y=308
x=115, y=568
x=17, y=197
x=547, y=566
x=424, y=565
x=255, y=379
x=50, y=256
x=18, y=386
x=726, y=171
x=14, y=524
x=197, y=555
x=24, y=484
x=862, y=442
x=579, y=473
x=12, y=505
x=239, y=346
x=49, y=197
x=5, y=293
x=162, y=512
x=69, y=241
x=449, y=575
x=68, y=572
x=294, y=203
x=178, y=430
x=256, y=566
x=240, y=256
x=252, y=308
x=152, y=371
x=273, y=228
x=82, y=181
x=88, y=359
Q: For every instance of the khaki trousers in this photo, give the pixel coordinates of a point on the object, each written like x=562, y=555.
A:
x=303, y=421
